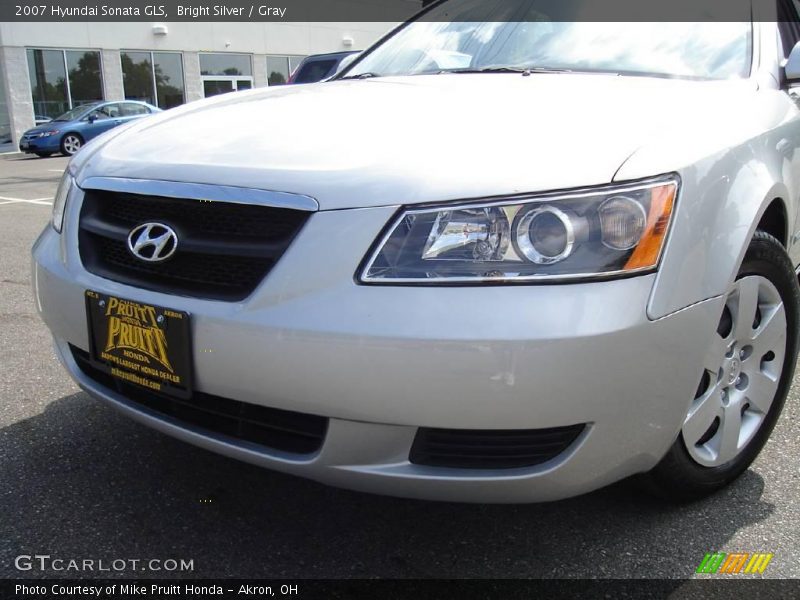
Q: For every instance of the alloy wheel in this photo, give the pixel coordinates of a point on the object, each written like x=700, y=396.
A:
x=741, y=374
x=72, y=144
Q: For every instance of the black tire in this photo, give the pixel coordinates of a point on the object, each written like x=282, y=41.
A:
x=69, y=142
x=43, y=154
x=678, y=477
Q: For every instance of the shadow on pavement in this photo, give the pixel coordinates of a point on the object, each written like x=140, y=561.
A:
x=81, y=481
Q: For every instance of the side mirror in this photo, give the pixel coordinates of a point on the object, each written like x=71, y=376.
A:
x=92, y=117
x=792, y=67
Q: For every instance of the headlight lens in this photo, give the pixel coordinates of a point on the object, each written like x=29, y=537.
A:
x=60, y=201
x=598, y=233
x=48, y=133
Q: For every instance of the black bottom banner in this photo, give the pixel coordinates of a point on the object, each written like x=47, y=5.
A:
x=387, y=589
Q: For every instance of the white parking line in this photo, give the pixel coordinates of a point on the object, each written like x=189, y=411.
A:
x=41, y=201
x=56, y=170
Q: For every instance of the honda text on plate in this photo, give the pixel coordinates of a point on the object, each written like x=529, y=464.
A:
x=526, y=260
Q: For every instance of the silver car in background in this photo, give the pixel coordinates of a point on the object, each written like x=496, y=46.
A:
x=529, y=258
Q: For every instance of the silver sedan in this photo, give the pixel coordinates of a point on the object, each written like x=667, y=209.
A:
x=527, y=259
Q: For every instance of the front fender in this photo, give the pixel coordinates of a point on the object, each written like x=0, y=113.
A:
x=722, y=199
x=733, y=164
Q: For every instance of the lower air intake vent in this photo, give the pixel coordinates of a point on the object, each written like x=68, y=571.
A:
x=283, y=430
x=491, y=448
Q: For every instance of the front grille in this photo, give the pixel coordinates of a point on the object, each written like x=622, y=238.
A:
x=283, y=430
x=491, y=449
x=225, y=249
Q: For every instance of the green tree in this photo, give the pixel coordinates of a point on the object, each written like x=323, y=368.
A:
x=137, y=79
x=84, y=79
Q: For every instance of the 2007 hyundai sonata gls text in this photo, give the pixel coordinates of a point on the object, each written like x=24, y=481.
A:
x=525, y=260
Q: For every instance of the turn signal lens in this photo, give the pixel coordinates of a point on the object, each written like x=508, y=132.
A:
x=662, y=200
x=602, y=232
x=60, y=201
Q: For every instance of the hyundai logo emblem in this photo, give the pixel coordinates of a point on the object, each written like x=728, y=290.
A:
x=152, y=242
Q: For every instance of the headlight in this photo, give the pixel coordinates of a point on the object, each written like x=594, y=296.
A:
x=60, y=201
x=48, y=133
x=604, y=232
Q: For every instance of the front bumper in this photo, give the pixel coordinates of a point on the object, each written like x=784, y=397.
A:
x=381, y=362
x=45, y=144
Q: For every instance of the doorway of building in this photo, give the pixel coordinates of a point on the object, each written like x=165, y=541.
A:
x=215, y=85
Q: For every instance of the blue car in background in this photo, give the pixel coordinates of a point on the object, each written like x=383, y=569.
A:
x=69, y=132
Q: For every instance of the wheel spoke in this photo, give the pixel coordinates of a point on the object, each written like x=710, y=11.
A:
x=771, y=333
x=702, y=414
x=761, y=390
x=746, y=306
x=730, y=428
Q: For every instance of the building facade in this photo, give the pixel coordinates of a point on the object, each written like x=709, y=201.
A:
x=49, y=68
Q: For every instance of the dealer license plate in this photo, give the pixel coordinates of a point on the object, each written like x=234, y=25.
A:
x=142, y=344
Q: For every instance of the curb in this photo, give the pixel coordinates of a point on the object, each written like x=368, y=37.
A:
x=11, y=155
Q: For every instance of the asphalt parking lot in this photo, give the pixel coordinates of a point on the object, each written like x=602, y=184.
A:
x=77, y=480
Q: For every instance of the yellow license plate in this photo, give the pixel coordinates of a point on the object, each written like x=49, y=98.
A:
x=141, y=344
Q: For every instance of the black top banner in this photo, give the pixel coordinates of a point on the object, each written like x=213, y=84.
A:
x=390, y=10
x=208, y=10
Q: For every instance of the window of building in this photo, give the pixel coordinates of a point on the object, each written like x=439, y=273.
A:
x=137, y=76
x=224, y=73
x=169, y=79
x=280, y=68
x=153, y=77
x=63, y=79
x=5, y=120
x=226, y=65
x=85, y=79
x=277, y=70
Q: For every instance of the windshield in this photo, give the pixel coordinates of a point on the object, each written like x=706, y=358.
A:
x=534, y=40
x=76, y=112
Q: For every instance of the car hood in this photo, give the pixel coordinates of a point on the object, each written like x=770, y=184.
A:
x=407, y=140
x=49, y=126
